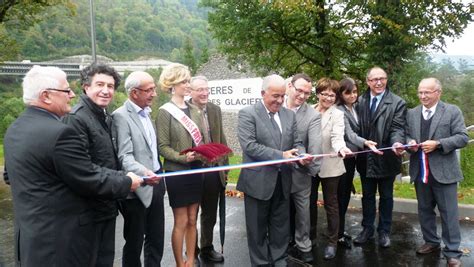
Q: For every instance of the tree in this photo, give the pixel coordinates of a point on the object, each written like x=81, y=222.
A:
x=189, y=58
x=332, y=38
x=19, y=15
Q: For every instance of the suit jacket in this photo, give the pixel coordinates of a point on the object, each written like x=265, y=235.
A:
x=259, y=143
x=214, y=116
x=447, y=127
x=386, y=127
x=52, y=178
x=308, y=122
x=174, y=138
x=332, y=133
x=134, y=149
x=351, y=128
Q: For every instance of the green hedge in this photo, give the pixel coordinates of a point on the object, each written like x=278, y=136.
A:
x=467, y=165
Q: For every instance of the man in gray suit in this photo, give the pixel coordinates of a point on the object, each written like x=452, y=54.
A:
x=266, y=131
x=308, y=122
x=143, y=211
x=439, y=130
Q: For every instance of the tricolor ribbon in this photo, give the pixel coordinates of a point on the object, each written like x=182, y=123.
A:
x=424, y=167
x=265, y=163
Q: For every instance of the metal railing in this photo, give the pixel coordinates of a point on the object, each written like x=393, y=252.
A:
x=21, y=68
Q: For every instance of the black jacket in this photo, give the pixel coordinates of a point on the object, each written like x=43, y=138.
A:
x=52, y=180
x=93, y=125
x=386, y=127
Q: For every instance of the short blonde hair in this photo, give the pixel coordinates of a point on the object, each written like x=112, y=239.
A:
x=172, y=75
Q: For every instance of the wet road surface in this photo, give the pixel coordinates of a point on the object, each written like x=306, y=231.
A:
x=406, y=237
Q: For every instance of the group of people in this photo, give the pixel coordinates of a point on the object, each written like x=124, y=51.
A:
x=88, y=164
x=71, y=170
x=280, y=200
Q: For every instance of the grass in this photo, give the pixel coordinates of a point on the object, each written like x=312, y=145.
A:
x=401, y=190
x=2, y=159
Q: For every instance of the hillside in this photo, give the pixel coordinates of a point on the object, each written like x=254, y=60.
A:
x=125, y=30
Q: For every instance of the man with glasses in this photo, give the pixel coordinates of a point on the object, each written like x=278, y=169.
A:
x=439, y=130
x=382, y=120
x=143, y=211
x=308, y=122
x=93, y=123
x=213, y=183
x=53, y=178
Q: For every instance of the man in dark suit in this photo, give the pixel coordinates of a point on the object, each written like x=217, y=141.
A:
x=90, y=118
x=143, y=211
x=213, y=183
x=439, y=130
x=52, y=177
x=308, y=122
x=382, y=120
x=267, y=131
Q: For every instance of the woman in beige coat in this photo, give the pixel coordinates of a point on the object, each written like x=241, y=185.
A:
x=184, y=191
x=332, y=168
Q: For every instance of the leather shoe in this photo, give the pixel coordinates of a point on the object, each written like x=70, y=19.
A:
x=454, y=262
x=363, y=236
x=345, y=241
x=306, y=257
x=295, y=252
x=427, y=248
x=330, y=252
x=384, y=240
x=209, y=254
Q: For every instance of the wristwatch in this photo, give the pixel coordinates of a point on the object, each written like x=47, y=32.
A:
x=438, y=144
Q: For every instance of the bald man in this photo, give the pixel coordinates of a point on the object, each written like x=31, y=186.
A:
x=143, y=210
x=439, y=129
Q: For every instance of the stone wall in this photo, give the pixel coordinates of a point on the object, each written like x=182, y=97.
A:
x=218, y=68
x=229, y=121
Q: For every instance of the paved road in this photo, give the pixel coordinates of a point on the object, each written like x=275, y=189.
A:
x=406, y=238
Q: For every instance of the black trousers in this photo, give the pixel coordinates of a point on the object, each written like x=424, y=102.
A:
x=344, y=192
x=143, y=225
x=104, y=244
x=212, y=187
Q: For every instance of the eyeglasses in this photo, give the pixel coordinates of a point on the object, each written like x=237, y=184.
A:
x=67, y=90
x=427, y=93
x=147, y=91
x=201, y=89
x=327, y=95
x=375, y=80
x=300, y=91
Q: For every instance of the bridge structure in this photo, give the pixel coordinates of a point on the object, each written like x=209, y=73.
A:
x=73, y=70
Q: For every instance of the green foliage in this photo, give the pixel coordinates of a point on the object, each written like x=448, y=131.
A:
x=334, y=38
x=11, y=107
x=189, y=59
x=467, y=165
x=125, y=30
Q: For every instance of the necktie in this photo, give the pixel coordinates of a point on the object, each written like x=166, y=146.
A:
x=205, y=122
x=373, y=106
x=275, y=127
x=428, y=114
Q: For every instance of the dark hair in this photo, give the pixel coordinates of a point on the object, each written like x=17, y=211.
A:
x=301, y=76
x=325, y=83
x=346, y=84
x=90, y=71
